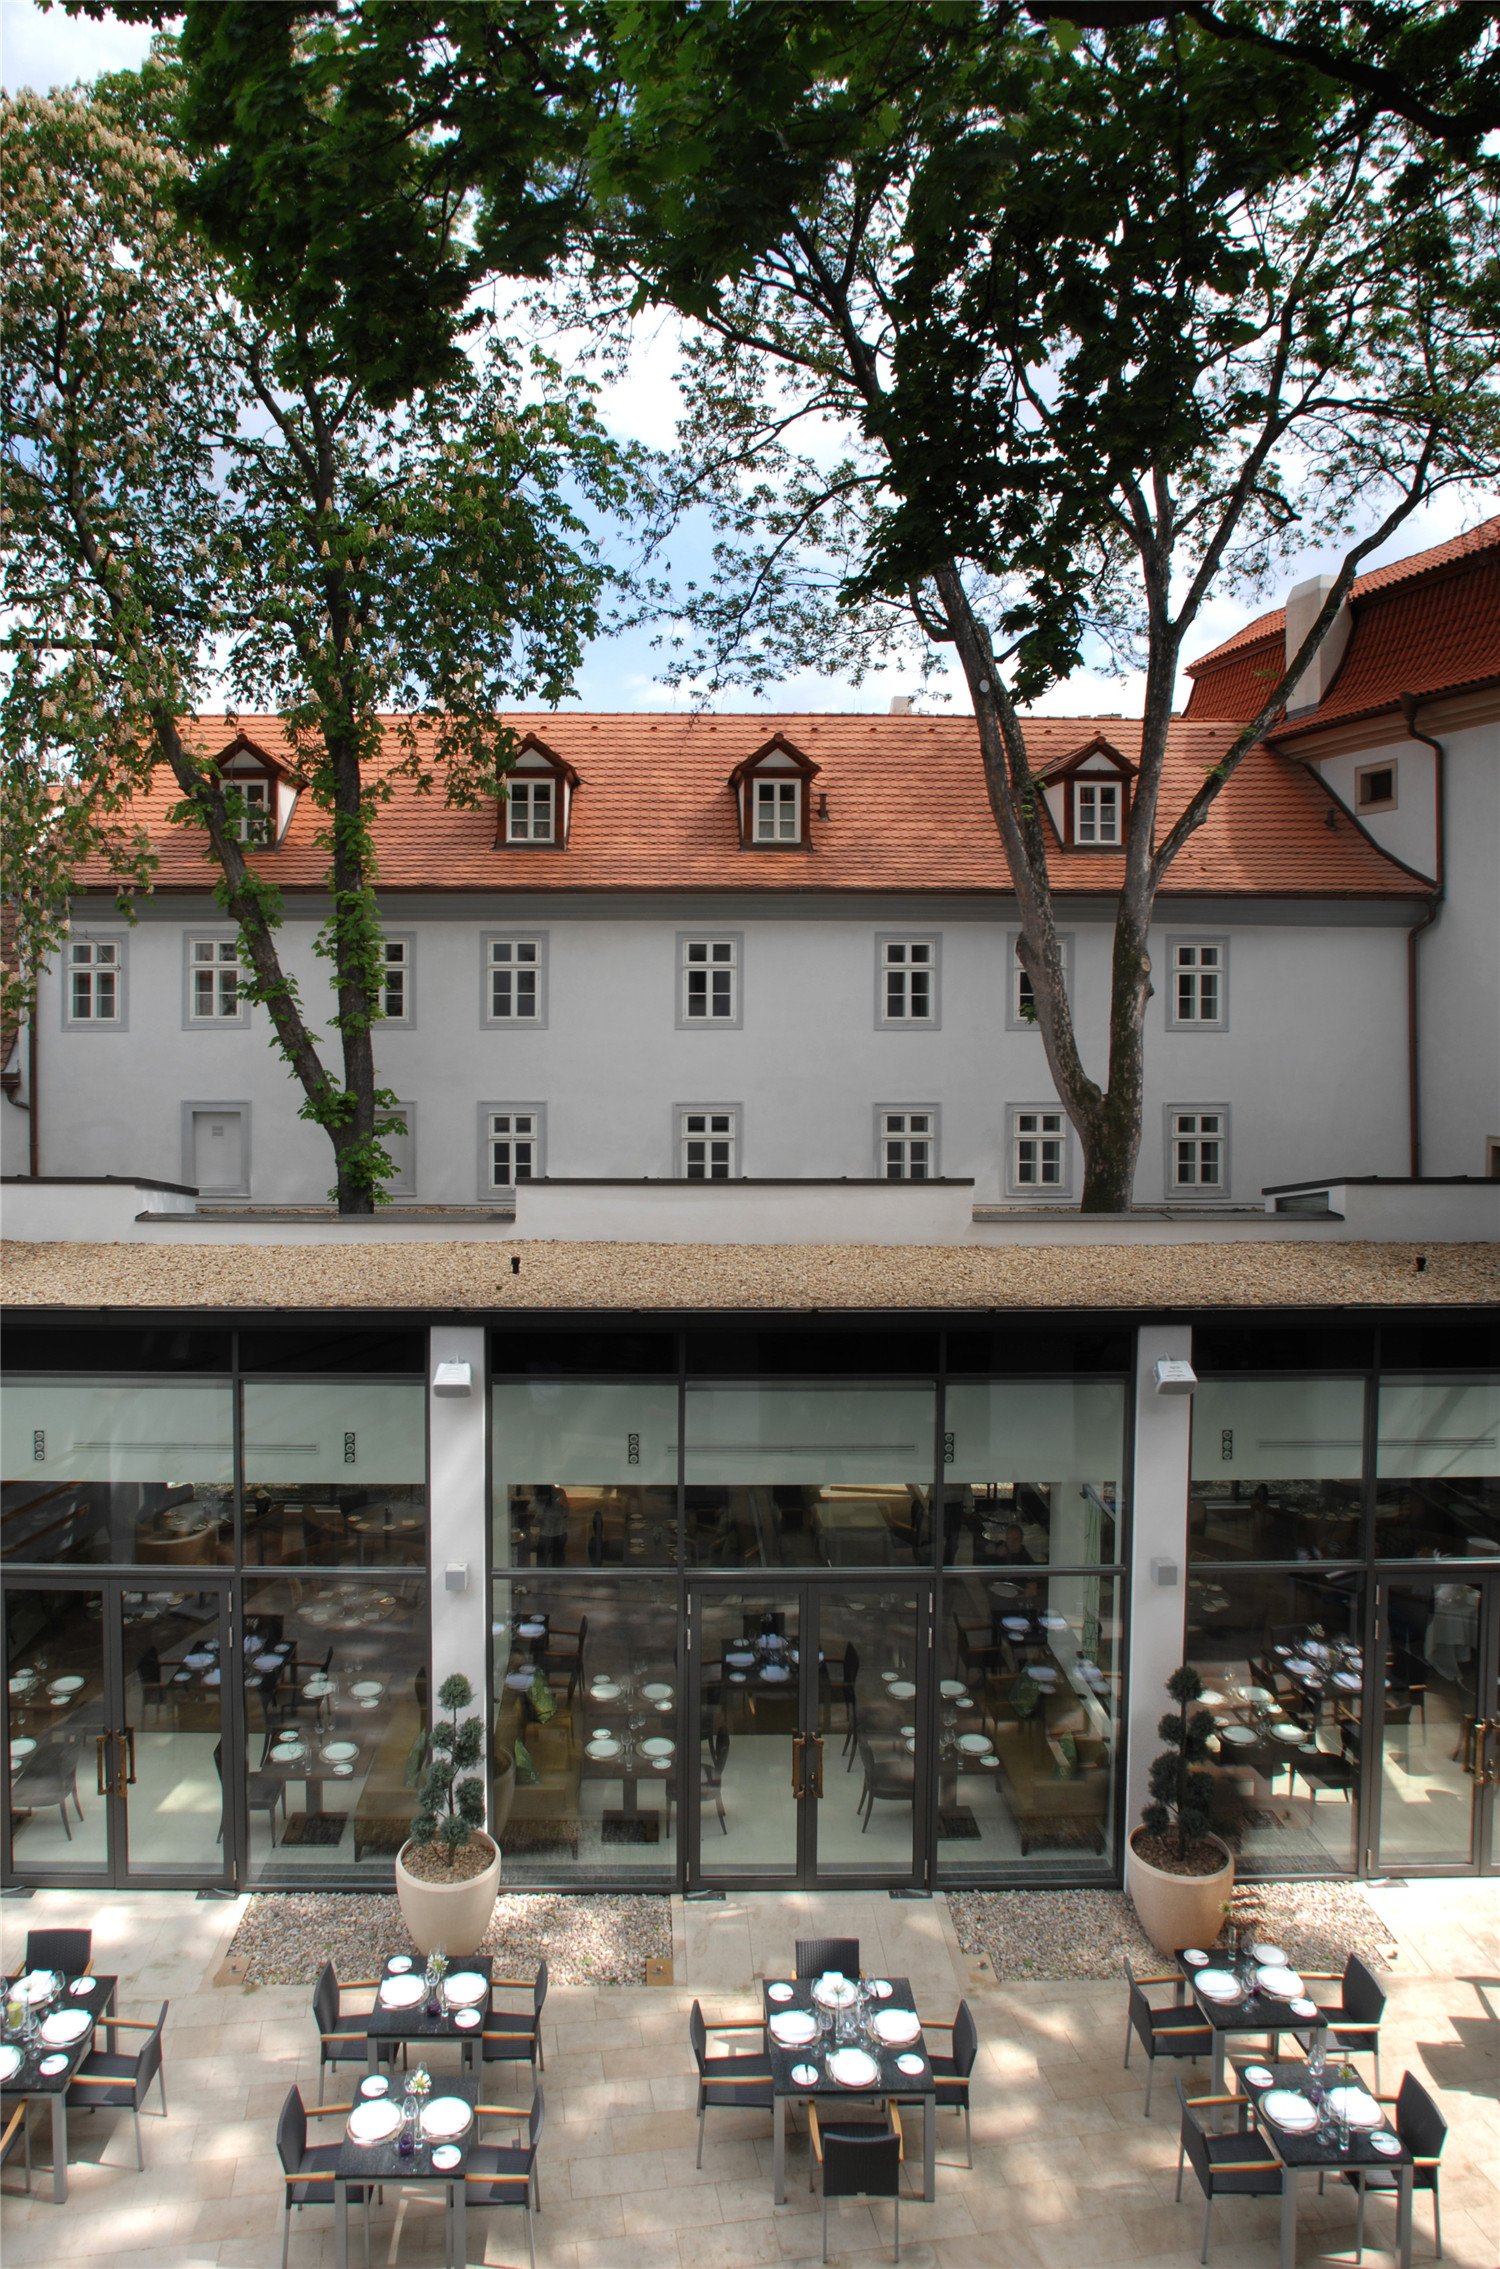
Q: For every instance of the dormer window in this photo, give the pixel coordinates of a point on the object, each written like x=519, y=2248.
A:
x=1087, y=795
x=537, y=803
x=257, y=819
x=264, y=788
x=1096, y=811
x=771, y=791
x=529, y=812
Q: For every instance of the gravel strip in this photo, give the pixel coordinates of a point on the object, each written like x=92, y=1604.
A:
x=587, y=1938
x=476, y=1275
x=1087, y=1934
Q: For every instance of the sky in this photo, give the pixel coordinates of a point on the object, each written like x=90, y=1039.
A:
x=43, y=48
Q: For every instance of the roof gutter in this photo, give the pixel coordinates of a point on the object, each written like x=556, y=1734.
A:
x=1413, y=1053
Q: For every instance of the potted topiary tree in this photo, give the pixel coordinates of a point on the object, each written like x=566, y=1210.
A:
x=1178, y=1874
x=448, y=1871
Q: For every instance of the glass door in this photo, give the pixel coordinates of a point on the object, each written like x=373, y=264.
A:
x=115, y=1759
x=1438, y=1711
x=810, y=1709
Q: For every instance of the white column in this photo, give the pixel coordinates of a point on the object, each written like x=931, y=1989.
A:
x=1163, y=1425
x=459, y=1514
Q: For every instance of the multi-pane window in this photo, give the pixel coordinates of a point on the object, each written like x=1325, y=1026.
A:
x=1198, y=983
x=907, y=1145
x=396, y=971
x=908, y=970
x=515, y=994
x=1039, y=1150
x=707, y=1141
x=1025, y=996
x=1096, y=811
x=215, y=980
x=777, y=811
x=514, y=1151
x=94, y=984
x=710, y=971
x=1197, y=1150
x=531, y=812
x=256, y=818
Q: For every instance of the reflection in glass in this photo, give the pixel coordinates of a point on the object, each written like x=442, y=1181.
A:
x=336, y=1474
x=1028, y=1712
x=54, y=1658
x=1438, y=1466
x=1276, y=1469
x=868, y=1667
x=1035, y=1472
x=1280, y=1656
x=588, y=1737
x=585, y=1476
x=1428, y=1760
x=335, y=1724
x=808, y=1476
x=173, y=1649
x=118, y=1470
x=749, y=1719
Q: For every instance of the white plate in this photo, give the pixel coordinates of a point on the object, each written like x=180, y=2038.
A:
x=853, y=2068
x=36, y=1985
x=657, y=1692
x=1280, y=1984
x=604, y=1690
x=834, y=1991
x=64, y=1685
x=794, y=2028
x=1259, y=2075
x=1353, y=2104
x=1194, y=1956
x=658, y=1746
x=1014, y=1622
x=911, y=2065
x=402, y=1992
x=1287, y=2109
x=1290, y=1734
x=366, y=1689
x=375, y=2122
x=11, y=2061
x=661, y=1764
x=975, y=1744
x=445, y=2117
x=465, y=1987
x=446, y=2155
x=776, y=1672
x=22, y=1680
x=68, y=2026
x=1054, y=1622
x=599, y=1749
x=1304, y=2008
x=1275, y=1955
x=779, y=1992
x=805, y=2075
x=266, y=1663
x=317, y=1688
x=1259, y=1694
x=1239, y=1735
x=1389, y=2146
x=902, y=1689
x=742, y=1656
x=1349, y=1680
x=531, y=1630
x=339, y=1752
x=952, y=1688
x=22, y=1746
x=467, y=2019
x=895, y=2027
x=737, y=1677
x=1207, y=1700
x=1218, y=1985
x=399, y=1964
x=1300, y=1667
x=82, y=1987
x=50, y=2066
x=375, y=2085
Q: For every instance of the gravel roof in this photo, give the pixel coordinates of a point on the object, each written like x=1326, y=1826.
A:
x=477, y=1275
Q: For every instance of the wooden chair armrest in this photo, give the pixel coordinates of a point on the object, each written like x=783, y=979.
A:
x=936, y=2024
x=15, y=2120
x=326, y=2111
x=525, y=2035
x=514, y=1984
x=493, y=2178
x=129, y=2024
x=351, y=2038
x=102, y=2080
x=1425, y=2162
x=1244, y=2166
x=1385, y=2099
x=1195, y=2101
x=713, y=2079
x=759, y=2028
x=330, y=2176
x=1322, y=1977
x=360, y=1985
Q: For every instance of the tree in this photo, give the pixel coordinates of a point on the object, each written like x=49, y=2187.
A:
x=200, y=498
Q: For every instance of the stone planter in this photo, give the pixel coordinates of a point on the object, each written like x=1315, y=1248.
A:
x=454, y=1916
x=1178, y=1910
x=502, y=1791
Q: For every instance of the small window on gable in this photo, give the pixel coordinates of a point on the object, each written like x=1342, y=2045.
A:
x=258, y=816
x=1088, y=795
x=530, y=815
x=771, y=790
x=537, y=805
x=1097, y=811
x=264, y=789
x=778, y=811
x=1375, y=787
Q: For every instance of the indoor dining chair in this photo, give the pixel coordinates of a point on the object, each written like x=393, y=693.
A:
x=111, y=2081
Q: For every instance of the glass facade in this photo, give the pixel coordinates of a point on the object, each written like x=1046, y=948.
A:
x=117, y=1470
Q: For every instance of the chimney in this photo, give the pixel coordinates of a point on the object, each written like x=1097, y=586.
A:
x=900, y=704
x=1303, y=604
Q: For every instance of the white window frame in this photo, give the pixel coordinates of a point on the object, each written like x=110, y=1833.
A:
x=1196, y=943
x=92, y=958
x=1034, y=1123
x=701, y=1126
x=1179, y=1133
x=403, y=1183
x=896, y=1134
x=780, y=827
x=533, y=961
x=1091, y=784
x=534, y=1131
x=522, y=816
x=257, y=821
x=1364, y=772
x=1014, y=1020
x=406, y=949
x=212, y=953
x=893, y=950
x=703, y=954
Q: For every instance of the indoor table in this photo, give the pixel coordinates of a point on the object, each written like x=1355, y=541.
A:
x=413, y=2025
x=367, y=2164
x=53, y=2087
x=1322, y=2154
x=1254, y=2012
x=905, y=2087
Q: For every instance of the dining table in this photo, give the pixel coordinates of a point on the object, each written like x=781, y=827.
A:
x=1254, y=2010
x=790, y=2066
x=95, y=1998
x=364, y=2164
x=1325, y=2148
x=432, y=2018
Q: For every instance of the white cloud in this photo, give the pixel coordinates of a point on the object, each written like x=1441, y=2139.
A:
x=43, y=48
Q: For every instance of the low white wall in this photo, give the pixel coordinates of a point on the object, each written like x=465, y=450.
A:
x=84, y=1213
x=1446, y=1212
x=747, y=1213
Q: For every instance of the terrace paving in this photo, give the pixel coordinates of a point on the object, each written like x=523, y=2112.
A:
x=1067, y=2173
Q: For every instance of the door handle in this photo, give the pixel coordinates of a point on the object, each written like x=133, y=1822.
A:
x=1472, y=1745
x=798, y=1741
x=816, y=1790
x=127, y=1759
x=99, y=1741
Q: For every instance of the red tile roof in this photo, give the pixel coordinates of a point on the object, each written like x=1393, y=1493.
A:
x=1426, y=625
x=906, y=803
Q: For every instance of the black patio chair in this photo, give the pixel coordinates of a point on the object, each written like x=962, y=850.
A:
x=308, y=2169
x=953, y=2072
x=859, y=2160
x=505, y=2174
x=71, y=1951
x=109, y=2081
x=1177, y=2031
x=16, y=2136
x=1423, y=2129
x=736, y=2082
x=817, y=1956
x=511, y=2036
x=1227, y=2166
x=344, y=2035
x=1355, y=2022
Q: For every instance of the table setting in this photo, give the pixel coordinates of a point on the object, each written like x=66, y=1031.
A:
x=49, y=2023
x=834, y=2036
x=437, y=2002
x=420, y=2135
x=1318, y=2119
x=1251, y=1988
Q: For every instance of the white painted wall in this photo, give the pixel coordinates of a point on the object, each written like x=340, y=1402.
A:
x=1311, y=1064
x=1409, y=832
x=1163, y=1429
x=1458, y=965
x=459, y=1514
